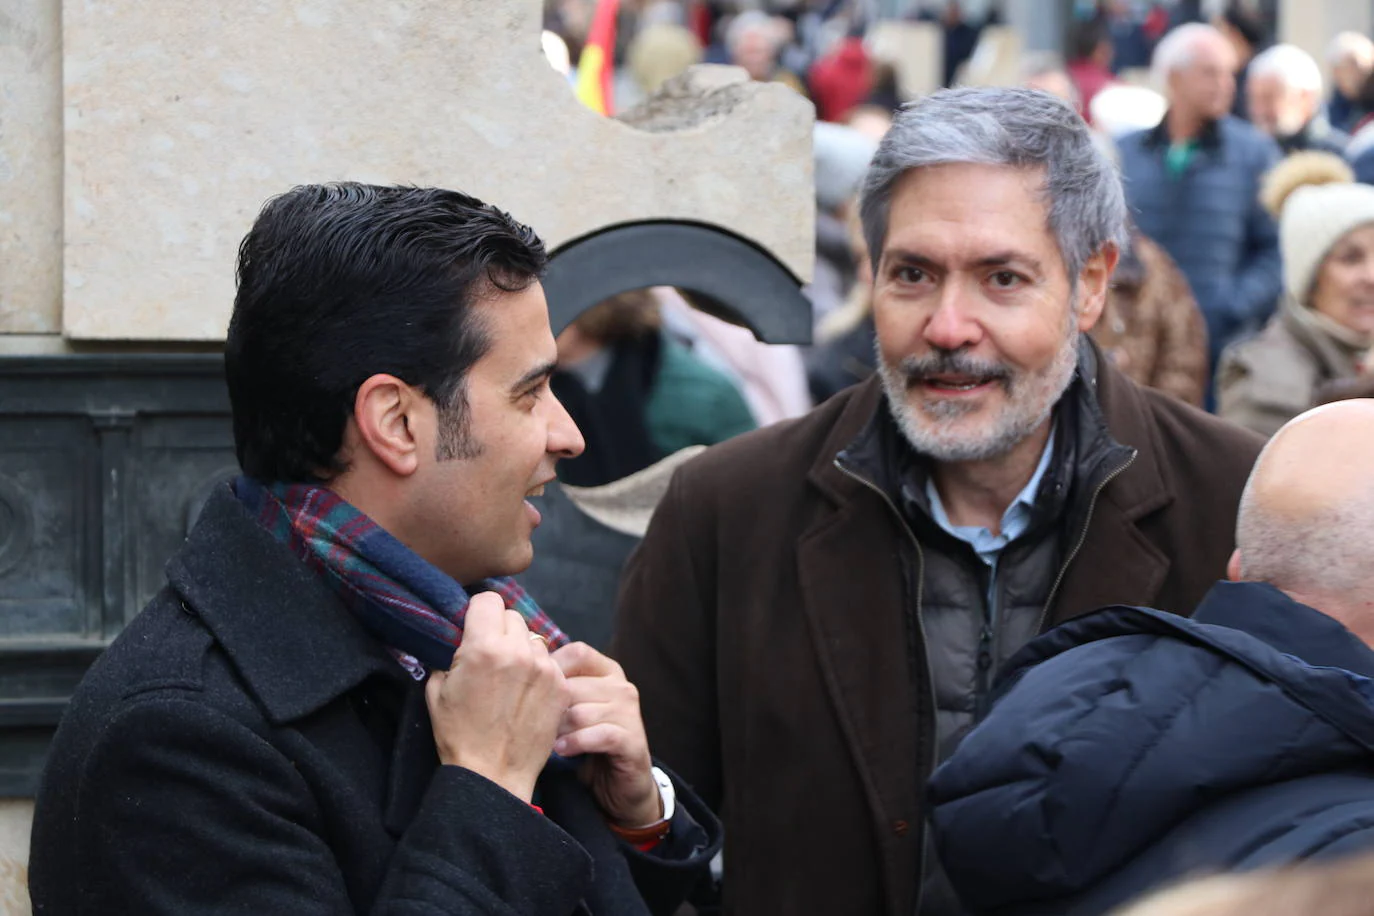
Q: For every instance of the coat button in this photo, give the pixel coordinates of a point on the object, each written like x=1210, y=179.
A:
x=900, y=827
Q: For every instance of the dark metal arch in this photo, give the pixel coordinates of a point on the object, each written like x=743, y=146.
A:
x=723, y=273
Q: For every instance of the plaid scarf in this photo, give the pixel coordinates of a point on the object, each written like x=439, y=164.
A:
x=409, y=605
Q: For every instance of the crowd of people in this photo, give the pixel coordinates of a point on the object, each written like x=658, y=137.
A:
x=1035, y=586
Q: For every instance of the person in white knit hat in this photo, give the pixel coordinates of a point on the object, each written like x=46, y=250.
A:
x=1317, y=343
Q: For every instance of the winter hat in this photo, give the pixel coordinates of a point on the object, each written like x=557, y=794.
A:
x=1316, y=201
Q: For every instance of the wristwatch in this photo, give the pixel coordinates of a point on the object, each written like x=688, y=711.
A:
x=666, y=793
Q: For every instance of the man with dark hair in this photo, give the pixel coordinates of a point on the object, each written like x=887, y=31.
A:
x=340, y=703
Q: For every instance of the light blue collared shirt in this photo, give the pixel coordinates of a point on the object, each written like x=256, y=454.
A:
x=1015, y=520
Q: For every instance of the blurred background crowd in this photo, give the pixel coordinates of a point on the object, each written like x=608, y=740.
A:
x=1248, y=289
x=1198, y=104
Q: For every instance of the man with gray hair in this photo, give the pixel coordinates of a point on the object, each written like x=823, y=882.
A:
x=1136, y=747
x=819, y=608
x=1192, y=183
x=1351, y=58
x=1285, y=101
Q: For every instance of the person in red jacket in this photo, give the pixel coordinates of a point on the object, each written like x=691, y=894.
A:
x=841, y=80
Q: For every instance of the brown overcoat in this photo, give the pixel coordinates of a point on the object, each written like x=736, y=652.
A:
x=763, y=620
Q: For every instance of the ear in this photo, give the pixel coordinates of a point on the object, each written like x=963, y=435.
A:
x=1233, y=566
x=1094, y=284
x=390, y=419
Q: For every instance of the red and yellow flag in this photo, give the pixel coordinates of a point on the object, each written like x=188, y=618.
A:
x=595, y=66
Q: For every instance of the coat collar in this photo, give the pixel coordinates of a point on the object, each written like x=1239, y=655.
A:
x=1310, y=655
x=295, y=646
x=1209, y=138
x=1271, y=616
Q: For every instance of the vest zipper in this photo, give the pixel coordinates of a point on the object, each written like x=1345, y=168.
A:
x=925, y=648
x=1082, y=536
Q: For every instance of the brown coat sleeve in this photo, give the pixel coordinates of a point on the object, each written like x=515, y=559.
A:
x=1180, y=367
x=665, y=637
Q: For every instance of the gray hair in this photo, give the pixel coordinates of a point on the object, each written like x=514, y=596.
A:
x=1018, y=128
x=1175, y=49
x=748, y=23
x=1350, y=45
x=1291, y=64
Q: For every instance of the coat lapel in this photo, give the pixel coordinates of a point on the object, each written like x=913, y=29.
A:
x=865, y=650
x=414, y=759
x=859, y=629
x=1135, y=569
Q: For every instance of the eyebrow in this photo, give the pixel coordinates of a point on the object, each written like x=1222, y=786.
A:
x=532, y=378
x=996, y=259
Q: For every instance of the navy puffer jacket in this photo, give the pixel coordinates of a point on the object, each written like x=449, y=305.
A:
x=1132, y=748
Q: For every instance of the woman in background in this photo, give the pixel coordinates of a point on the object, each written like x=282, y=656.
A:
x=1314, y=347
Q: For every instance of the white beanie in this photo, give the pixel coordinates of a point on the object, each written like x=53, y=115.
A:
x=1316, y=200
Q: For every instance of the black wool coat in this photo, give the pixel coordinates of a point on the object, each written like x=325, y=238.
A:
x=245, y=747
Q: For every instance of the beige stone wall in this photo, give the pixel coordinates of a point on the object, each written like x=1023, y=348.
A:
x=16, y=815
x=137, y=142
x=30, y=167
x=1311, y=24
x=181, y=119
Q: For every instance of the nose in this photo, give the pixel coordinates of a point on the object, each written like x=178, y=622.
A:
x=565, y=439
x=952, y=326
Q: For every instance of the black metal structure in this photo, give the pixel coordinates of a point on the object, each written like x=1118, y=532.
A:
x=722, y=273
x=104, y=463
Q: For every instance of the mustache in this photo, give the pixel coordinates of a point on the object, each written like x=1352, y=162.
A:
x=915, y=369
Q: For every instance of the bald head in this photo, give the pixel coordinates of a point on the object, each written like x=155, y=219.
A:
x=1307, y=515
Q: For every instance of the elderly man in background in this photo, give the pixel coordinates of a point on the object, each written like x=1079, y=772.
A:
x=1137, y=747
x=818, y=610
x=1351, y=56
x=1285, y=92
x=1193, y=185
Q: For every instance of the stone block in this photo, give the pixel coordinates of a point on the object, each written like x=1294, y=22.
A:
x=16, y=819
x=996, y=61
x=182, y=119
x=916, y=52
x=30, y=167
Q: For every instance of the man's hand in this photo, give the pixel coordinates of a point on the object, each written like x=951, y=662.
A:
x=603, y=723
x=497, y=710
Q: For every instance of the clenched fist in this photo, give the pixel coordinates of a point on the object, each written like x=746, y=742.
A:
x=497, y=710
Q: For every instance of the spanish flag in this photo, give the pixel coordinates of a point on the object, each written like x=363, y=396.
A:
x=597, y=62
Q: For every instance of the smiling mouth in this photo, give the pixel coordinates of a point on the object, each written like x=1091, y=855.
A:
x=957, y=384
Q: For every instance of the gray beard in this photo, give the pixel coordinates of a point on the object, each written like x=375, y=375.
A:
x=1031, y=397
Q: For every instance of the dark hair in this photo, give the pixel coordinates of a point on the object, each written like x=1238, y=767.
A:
x=340, y=282
x=1086, y=37
x=1364, y=99
x=627, y=316
x=1245, y=23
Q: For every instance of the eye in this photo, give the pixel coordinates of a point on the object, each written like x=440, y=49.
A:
x=1005, y=279
x=531, y=397
x=908, y=274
